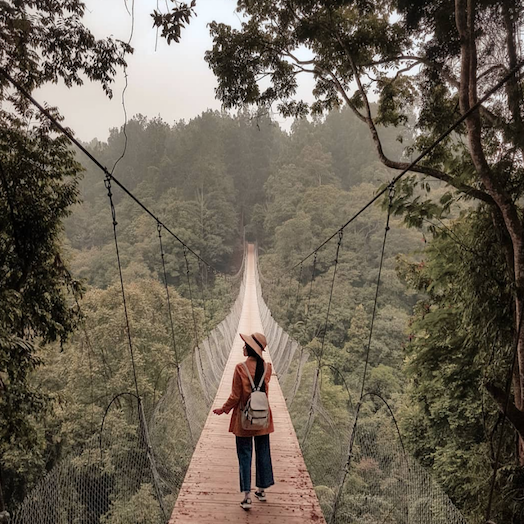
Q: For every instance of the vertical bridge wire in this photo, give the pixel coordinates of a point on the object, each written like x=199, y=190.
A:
x=141, y=417
x=195, y=329
x=298, y=291
x=122, y=288
x=301, y=345
x=368, y=350
x=314, y=398
x=173, y=338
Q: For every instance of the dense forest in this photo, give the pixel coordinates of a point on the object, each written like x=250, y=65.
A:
x=208, y=178
x=446, y=330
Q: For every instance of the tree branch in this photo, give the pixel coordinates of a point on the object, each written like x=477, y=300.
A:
x=342, y=91
x=404, y=70
x=389, y=60
x=302, y=69
x=426, y=170
x=491, y=117
x=368, y=119
x=514, y=415
x=338, y=85
x=297, y=60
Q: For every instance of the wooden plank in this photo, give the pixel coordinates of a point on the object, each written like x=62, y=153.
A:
x=210, y=492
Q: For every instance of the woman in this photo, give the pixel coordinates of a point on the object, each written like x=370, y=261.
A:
x=240, y=393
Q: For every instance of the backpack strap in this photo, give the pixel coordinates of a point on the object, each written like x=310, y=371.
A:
x=253, y=387
x=249, y=376
x=263, y=377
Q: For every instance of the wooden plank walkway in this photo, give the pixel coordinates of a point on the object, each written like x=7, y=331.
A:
x=211, y=492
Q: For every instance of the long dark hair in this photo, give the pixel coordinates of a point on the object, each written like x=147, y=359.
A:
x=260, y=367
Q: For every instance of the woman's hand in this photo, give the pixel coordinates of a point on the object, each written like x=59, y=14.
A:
x=218, y=411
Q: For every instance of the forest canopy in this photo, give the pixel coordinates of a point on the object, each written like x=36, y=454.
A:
x=452, y=291
x=288, y=190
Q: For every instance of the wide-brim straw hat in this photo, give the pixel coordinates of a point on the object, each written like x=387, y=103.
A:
x=256, y=341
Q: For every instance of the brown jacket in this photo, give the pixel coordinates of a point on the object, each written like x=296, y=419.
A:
x=240, y=392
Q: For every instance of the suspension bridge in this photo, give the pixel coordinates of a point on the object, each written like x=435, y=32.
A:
x=210, y=491
x=177, y=463
x=173, y=461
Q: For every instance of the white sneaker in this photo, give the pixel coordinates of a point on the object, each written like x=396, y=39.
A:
x=246, y=504
x=261, y=495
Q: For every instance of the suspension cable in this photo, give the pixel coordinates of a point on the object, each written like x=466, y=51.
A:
x=270, y=289
x=173, y=338
x=201, y=285
x=340, y=236
x=91, y=381
x=69, y=281
x=195, y=327
x=295, y=309
x=297, y=376
x=107, y=183
x=309, y=422
x=375, y=302
x=422, y=155
x=108, y=175
x=311, y=288
x=188, y=277
x=142, y=420
x=171, y=323
x=368, y=351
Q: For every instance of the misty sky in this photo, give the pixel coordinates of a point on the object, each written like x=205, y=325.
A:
x=173, y=82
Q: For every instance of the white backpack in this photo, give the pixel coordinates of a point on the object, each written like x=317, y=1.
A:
x=255, y=414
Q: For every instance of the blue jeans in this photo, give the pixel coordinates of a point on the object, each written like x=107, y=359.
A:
x=264, y=469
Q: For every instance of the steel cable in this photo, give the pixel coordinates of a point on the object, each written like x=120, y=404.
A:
x=172, y=328
x=106, y=172
x=122, y=288
x=195, y=326
x=142, y=421
x=368, y=351
x=321, y=352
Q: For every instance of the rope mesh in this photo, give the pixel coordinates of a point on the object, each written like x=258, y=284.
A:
x=383, y=483
x=111, y=480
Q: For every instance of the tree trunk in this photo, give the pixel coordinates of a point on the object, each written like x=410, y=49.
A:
x=465, y=21
x=514, y=415
x=2, y=501
x=509, y=10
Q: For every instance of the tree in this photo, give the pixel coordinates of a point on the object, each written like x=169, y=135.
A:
x=456, y=48
x=95, y=365
x=46, y=42
x=42, y=41
x=38, y=176
x=449, y=423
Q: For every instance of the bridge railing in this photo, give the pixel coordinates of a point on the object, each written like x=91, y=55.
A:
x=381, y=482
x=132, y=471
